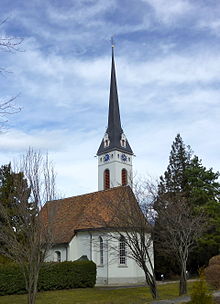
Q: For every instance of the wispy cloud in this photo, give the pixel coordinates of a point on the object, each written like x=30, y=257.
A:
x=168, y=11
x=167, y=60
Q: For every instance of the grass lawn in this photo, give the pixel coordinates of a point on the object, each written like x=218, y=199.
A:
x=140, y=295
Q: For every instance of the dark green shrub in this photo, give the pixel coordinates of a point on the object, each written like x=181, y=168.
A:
x=11, y=280
x=52, y=276
x=67, y=275
x=4, y=260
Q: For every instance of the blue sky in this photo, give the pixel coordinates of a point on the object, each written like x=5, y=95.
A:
x=168, y=73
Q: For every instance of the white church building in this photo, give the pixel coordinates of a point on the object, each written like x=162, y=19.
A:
x=82, y=224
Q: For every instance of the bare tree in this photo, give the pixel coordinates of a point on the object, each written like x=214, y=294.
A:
x=177, y=228
x=8, y=44
x=130, y=223
x=7, y=107
x=24, y=237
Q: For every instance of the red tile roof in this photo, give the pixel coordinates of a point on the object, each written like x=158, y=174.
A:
x=89, y=211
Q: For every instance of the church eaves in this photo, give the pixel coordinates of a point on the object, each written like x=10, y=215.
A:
x=114, y=129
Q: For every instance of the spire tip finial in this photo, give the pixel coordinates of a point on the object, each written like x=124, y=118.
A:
x=112, y=42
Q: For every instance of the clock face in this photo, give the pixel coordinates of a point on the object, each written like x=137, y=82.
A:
x=124, y=157
x=106, y=157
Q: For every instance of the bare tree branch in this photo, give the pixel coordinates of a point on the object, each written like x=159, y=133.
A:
x=177, y=229
x=8, y=44
x=25, y=238
x=129, y=222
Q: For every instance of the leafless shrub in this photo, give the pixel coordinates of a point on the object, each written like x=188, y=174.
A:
x=212, y=272
x=215, y=260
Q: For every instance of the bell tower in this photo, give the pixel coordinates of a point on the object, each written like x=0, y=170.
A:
x=114, y=153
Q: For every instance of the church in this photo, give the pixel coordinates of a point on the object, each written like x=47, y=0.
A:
x=82, y=225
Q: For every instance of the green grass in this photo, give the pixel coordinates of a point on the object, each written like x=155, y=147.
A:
x=140, y=295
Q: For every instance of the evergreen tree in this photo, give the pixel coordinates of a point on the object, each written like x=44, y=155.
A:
x=204, y=193
x=13, y=189
x=174, y=179
x=186, y=174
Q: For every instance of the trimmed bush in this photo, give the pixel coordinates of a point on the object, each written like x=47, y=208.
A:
x=11, y=280
x=64, y=275
x=212, y=272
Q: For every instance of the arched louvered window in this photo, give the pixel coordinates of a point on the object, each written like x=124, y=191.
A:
x=106, y=179
x=122, y=251
x=124, y=177
x=101, y=247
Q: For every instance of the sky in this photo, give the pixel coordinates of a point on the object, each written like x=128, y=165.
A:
x=168, y=75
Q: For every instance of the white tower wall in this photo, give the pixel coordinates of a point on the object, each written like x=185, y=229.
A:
x=115, y=164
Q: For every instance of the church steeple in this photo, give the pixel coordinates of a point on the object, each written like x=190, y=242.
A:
x=114, y=153
x=114, y=121
x=114, y=137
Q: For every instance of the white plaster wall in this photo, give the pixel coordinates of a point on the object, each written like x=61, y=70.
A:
x=115, y=165
x=111, y=272
x=130, y=273
x=51, y=256
x=80, y=245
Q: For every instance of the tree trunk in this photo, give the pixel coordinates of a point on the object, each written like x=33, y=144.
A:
x=183, y=280
x=31, y=295
x=32, y=287
x=151, y=282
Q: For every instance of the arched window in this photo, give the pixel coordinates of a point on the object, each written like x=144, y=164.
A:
x=123, y=140
x=101, y=250
x=122, y=251
x=124, y=177
x=57, y=256
x=106, y=179
x=106, y=141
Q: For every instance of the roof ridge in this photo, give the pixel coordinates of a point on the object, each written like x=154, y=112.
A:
x=87, y=194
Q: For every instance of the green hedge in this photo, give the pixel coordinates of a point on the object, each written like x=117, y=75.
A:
x=64, y=275
x=11, y=280
x=4, y=260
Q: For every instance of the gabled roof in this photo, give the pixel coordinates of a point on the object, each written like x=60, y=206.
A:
x=114, y=129
x=89, y=211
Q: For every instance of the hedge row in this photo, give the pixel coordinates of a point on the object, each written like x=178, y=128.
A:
x=52, y=276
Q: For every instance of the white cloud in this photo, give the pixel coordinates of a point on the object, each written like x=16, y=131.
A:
x=64, y=85
x=168, y=11
x=212, y=25
x=81, y=12
x=72, y=154
x=17, y=140
x=174, y=69
x=62, y=80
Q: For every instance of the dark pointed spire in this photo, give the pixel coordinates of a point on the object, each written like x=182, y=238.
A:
x=114, y=130
x=114, y=121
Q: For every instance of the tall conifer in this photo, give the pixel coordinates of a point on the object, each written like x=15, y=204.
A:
x=175, y=179
x=186, y=174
